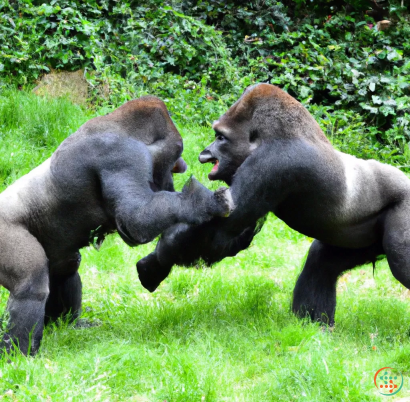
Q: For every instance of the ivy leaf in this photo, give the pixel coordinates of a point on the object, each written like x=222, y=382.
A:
x=171, y=60
x=390, y=102
x=394, y=55
x=386, y=110
x=304, y=92
x=403, y=103
x=371, y=109
x=376, y=100
x=386, y=79
x=382, y=54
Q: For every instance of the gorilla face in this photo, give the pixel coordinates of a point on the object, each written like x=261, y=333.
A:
x=233, y=144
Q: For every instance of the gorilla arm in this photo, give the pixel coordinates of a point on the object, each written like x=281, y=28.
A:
x=140, y=213
x=219, y=238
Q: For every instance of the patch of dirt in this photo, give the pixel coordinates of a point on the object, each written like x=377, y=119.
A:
x=64, y=83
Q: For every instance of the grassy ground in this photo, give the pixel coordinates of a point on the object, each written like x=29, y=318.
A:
x=220, y=334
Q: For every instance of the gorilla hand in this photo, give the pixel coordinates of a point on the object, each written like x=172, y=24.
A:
x=174, y=247
x=208, y=204
x=151, y=273
x=184, y=245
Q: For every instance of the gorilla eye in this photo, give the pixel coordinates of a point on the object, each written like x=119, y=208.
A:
x=219, y=136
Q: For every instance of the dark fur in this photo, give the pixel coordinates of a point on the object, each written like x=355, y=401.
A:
x=113, y=174
x=276, y=158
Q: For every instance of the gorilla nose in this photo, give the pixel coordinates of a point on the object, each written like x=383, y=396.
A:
x=180, y=166
x=205, y=156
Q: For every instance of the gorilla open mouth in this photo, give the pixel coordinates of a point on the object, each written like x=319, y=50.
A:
x=216, y=165
x=207, y=157
x=214, y=171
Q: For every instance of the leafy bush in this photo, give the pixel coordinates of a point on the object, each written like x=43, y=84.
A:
x=126, y=49
x=343, y=62
x=352, y=77
x=145, y=40
x=238, y=18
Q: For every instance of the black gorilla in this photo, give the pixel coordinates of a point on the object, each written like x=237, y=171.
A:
x=276, y=158
x=113, y=174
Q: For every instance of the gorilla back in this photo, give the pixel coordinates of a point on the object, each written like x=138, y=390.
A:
x=113, y=174
x=276, y=158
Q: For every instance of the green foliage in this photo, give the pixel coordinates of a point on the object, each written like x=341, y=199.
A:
x=145, y=40
x=140, y=43
x=339, y=66
x=126, y=49
x=344, y=63
x=238, y=18
x=324, y=7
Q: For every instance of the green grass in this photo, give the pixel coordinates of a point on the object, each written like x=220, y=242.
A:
x=220, y=334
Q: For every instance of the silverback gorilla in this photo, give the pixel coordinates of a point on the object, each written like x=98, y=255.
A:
x=113, y=174
x=276, y=158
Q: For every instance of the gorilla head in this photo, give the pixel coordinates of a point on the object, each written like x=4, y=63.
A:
x=235, y=139
x=146, y=119
x=263, y=112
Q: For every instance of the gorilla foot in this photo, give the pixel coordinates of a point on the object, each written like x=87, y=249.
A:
x=315, y=313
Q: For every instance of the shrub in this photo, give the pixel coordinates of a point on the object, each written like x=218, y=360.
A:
x=199, y=56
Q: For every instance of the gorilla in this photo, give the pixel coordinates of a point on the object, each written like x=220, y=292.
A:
x=275, y=157
x=113, y=174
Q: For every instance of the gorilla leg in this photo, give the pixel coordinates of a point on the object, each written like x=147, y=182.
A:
x=396, y=242
x=24, y=272
x=315, y=290
x=26, y=322
x=64, y=299
x=65, y=290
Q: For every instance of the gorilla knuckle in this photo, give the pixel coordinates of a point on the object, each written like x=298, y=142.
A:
x=223, y=198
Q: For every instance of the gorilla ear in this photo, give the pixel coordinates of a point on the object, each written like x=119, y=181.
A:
x=253, y=136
